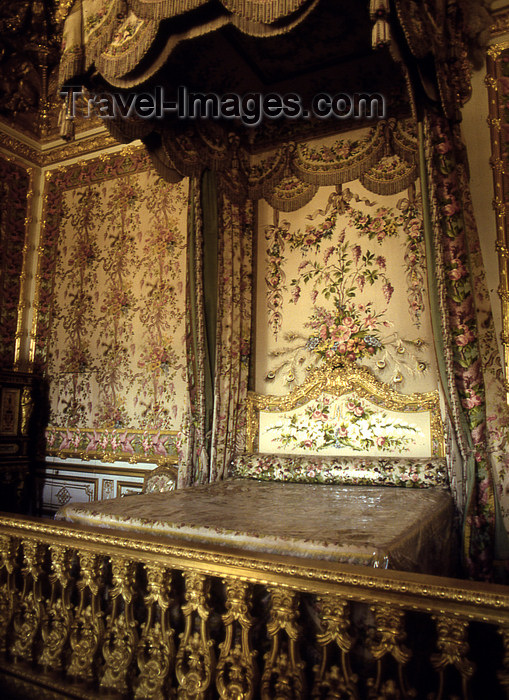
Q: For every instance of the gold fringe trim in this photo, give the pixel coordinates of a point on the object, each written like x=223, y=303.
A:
x=252, y=17
x=379, y=184
x=266, y=11
x=294, y=201
x=99, y=38
x=404, y=142
x=350, y=168
x=190, y=152
x=112, y=65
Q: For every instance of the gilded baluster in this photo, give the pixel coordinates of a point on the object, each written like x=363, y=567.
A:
x=503, y=674
x=87, y=629
x=334, y=681
x=121, y=637
x=390, y=635
x=156, y=650
x=28, y=616
x=283, y=675
x=195, y=663
x=57, y=620
x=9, y=595
x=453, y=649
x=236, y=673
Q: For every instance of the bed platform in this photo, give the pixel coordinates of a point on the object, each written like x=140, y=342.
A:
x=357, y=477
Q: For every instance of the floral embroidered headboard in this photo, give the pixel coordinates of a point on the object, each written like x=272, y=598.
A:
x=344, y=426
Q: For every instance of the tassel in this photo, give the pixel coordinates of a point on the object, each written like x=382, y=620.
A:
x=378, y=9
x=66, y=120
x=381, y=34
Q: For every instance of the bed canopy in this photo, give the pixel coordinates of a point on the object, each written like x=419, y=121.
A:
x=419, y=55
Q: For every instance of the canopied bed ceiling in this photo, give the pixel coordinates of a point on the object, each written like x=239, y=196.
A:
x=418, y=56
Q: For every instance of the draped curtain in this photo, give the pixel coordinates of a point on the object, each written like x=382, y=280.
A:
x=233, y=342
x=467, y=347
x=116, y=35
x=218, y=307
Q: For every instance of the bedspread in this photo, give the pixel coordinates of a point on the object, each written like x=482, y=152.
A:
x=397, y=528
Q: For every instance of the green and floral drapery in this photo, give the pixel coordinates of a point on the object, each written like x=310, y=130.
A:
x=195, y=432
x=218, y=325
x=233, y=342
x=470, y=353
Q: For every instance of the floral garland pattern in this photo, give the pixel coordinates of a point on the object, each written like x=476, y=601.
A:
x=366, y=471
x=346, y=326
x=276, y=236
x=15, y=183
x=108, y=334
x=352, y=329
x=467, y=363
x=359, y=428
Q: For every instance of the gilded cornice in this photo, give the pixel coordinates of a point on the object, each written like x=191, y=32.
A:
x=498, y=115
x=38, y=156
x=47, y=468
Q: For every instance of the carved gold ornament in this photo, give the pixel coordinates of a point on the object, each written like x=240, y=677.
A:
x=104, y=604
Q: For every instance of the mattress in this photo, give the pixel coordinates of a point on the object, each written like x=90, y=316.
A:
x=389, y=527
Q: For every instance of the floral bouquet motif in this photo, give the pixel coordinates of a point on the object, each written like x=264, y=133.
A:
x=352, y=329
x=352, y=424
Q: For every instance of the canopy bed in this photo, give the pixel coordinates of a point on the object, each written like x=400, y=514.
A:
x=425, y=74
x=286, y=544
x=355, y=473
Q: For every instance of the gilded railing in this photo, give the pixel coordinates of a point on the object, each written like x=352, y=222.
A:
x=89, y=613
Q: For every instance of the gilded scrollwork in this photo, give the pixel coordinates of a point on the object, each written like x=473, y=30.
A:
x=57, y=619
x=121, y=637
x=156, y=650
x=87, y=629
x=331, y=631
x=283, y=674
x=389, y=642
x=453, y=647
x=27, y=618
x=9, y=594
x=236, y=672
x=334, y=680
x=27, y=407
x=195, y=661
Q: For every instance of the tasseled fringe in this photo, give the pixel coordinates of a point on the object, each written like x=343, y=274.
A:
x=378, y=184
x=381, y=34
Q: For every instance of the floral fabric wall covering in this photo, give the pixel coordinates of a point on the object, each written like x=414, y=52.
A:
x=111, y=310
x=15, y=184
x=344, y=278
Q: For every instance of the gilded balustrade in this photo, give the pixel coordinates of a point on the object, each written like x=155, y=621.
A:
x=89, y=613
